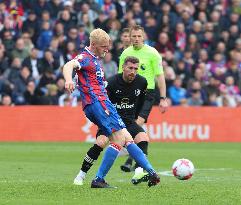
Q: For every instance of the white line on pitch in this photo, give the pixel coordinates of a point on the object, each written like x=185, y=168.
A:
x=169, y=173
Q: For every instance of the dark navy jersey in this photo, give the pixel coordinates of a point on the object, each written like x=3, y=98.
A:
x=128, y=98
x=91, y=82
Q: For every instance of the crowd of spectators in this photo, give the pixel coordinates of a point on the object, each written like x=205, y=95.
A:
x=199, y=40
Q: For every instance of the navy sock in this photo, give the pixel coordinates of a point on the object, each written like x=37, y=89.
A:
x=91, y=156
x=143, y=145
x=129, y=161
x=109, y=157
x=137, y=154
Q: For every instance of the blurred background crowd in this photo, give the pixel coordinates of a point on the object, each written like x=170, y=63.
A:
x=199, y=40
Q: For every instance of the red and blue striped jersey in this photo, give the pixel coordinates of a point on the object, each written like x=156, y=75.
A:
x=91, y=82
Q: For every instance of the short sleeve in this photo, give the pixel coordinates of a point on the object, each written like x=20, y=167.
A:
x=81, y=61
x=121, y=62
x=157, y=63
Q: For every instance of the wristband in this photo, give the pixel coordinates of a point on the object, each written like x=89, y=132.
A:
x=163, y=98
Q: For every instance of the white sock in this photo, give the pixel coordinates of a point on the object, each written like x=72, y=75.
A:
x=138, y=170
x=81, y=174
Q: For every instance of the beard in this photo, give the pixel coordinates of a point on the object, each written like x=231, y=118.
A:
x=131, y=78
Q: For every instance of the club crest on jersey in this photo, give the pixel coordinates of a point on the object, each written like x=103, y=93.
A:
x=100, y=74
x=105, y=83
x=117, y=91
x=143, y=67
x=137, y=92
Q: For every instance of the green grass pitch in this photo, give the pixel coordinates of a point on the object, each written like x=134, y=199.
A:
x=43, y=173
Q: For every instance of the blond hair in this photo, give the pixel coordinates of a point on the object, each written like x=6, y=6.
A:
x=98, y=35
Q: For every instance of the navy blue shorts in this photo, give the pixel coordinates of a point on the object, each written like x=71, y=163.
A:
x=104, y=115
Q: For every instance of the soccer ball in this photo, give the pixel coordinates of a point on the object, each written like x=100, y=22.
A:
x=183, y=169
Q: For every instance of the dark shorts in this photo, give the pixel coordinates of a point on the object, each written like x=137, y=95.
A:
x=104, y=115
x=132, y=128
x=147, y=105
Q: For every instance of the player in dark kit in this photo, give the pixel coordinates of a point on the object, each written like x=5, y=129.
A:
x=151, y=68
x=127, y=93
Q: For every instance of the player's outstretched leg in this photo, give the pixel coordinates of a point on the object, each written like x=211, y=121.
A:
x=90, y=157
x=127, y=167
x=154, y=179
x=139, y=175
x=109, y=157
x=143, y=145
x=141, y=159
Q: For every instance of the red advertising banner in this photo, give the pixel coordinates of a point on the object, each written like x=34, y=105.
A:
x=52, y=123
x=195, y=124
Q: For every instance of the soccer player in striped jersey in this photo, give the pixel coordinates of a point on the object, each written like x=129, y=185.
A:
x=127, y=92
x=100, y=110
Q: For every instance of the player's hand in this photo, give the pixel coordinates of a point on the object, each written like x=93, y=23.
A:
x=163, y=105
x=69, y=85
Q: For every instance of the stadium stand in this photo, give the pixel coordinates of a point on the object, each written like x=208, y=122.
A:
x=200, y=42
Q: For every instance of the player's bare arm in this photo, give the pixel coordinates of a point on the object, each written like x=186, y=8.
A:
x=162, y=88
x=67, y=72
